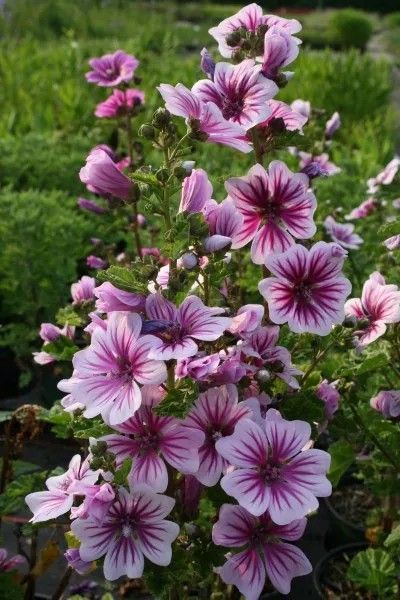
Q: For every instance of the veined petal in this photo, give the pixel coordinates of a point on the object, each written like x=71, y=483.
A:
x=123, y=558
x=247, y=447
x=246, y=571
x=149, y=470
x=283, y=562
x=234, y=527
x=48, y=504
x=155, y=541
x=249, y=489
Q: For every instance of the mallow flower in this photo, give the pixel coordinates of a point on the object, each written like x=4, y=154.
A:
x=387, y=402
x=83, y=290
x=196, y=192
x=265, y=551
x=112, y=69
x=102, y=175
x=343, y=234
x=276, y=471
x=280, y=49
x=121, y=102
x=110, y=299
x=107, y=373
x=283, y=117
x=240, y=92
x=276, y=206
x=134, y=528
x=378, y=306
x=307, y=289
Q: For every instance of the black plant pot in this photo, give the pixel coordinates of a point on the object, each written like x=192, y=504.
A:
x=340, y=530
x=322, y=566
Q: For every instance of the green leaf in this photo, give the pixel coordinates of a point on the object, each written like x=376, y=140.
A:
x=10, y=587
x=86, y=428
x=393, y=538
x=121, y=474
x=148, y=178
x=13, y=498
x=342, y=457
x=370, y=363
x=60, y=420
x=61, y=349
x=68, y=316
x=134, y=279
x=5, y=415
x=178, y=401
x=389, y=229
x=373, y=569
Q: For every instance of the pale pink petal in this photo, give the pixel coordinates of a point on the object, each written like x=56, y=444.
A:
x=246, y=571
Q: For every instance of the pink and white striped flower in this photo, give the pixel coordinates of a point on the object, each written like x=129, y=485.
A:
x=196, y=192
x=107, y=373
x=343, y=234
x=215, y=414
x=280, y=49
x=265, y=553
x=387, y=402
x=275, y=469
x=247, y=320
x=151, y=441
x=61, y=490
x=205, y=117
x=112, y=69
x=307, y=289
x=83, y=290
x=240, y=91
x=178, y=328
x=225, y=224
x=276, y=206
x=252, y=20
x=378, y=306
x=366, y=208
x=280, y=112
x=134, y=528
x=110, y=299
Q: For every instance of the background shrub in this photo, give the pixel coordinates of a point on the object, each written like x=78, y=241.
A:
x=350, y=28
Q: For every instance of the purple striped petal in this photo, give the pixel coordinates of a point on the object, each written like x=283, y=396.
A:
x=246, y=571
x=149, y=470
x=246, y=448
x=248, y=487
x=286, y=438
x=234, y=528
x=283, y=562
x=155, y=541
x=48, y=504
x=123, y=558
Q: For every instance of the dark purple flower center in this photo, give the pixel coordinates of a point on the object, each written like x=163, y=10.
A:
x=128, y=527
x=123, y=369
x=303, y=292
x=232, y=106
x=270, y=211
x=148, y=440
x=172, y=333
x=271, y=472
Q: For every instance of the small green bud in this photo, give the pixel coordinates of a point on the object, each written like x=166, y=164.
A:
x=148, y=132
x=180, y=172
x=161, y=118
x=99, y=448
x=233, y=39
x=162, y=175
x=281, y=80
x=262, y=30
x=349, y=322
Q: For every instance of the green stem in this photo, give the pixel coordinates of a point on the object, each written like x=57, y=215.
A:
x=358, y=418
x=63, y=584
x=319, y=356
x=206, y=288
x=171, y=375
x=178, y=145
x=258, y=151
x=129, y=138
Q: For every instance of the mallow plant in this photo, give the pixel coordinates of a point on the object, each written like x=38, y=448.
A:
x=201, y=396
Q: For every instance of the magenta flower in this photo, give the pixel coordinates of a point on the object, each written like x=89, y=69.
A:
x=83, y=290
x=204, y=116
x=207, y=63
x=50, y=333
x=177, y=328
x=134, y=528
x=240, y=92
x=280, y=49
x=261, y=347
x=96, y=262
x=225, y=224
x=61, y=489
x=366, y=208
x=121, y=102
x=215, y=414
x=196, y=192
x=317, y=165
x=265, y=553
x=151, y=441
x=343, y=234
x=98, y=499
x=282, y=113
x=332, y=125
x=275, y=470
x=276, y=206
x=110, y=299
x=199, y=367
x=307, y=290
x=107, y=373
x=102, y=175
x=250, y=18
x=329, y=395
x=387, y=175
x=9, y=563
x=393, y=242
x=387, y=402
x=112, y=69
x=90, y=206
x=379, y=306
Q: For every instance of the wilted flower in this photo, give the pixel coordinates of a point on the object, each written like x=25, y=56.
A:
x=121, y=102
x=343, y=234
x=276, y=206
x=240, y=92
x=196, y=192
x=275, y=470
x=9, y=563
x=207, y=63
x=379, y=306
x=387, y=402
x=332, y=125
x=205, y=117
x=265, y=553
x=102, y=175
x=215, y=414
x=110, y=299
x=107, y=373
x=74, y=560
x=112, y=69
x=134, y=528
x=307, y=289
x=83, y=290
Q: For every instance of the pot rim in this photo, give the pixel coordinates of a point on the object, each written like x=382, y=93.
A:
x=335, y=551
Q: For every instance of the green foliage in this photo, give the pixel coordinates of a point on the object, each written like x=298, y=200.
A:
x=393, y=20
x=133, y=279
x=10, y=587
x=350, y=28
x=393, y=539
x=62, y=348
x=121, y=474
x=60, y=420
x=69, y=316
x=374, y=570
x=37, y=262
x=12, y=500
x=342, y=457
x=179, y=400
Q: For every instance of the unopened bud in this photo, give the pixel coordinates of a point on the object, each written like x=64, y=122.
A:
x=161, y=118
x=362, y=323
x=189, y=260
x=180, y=172
x=233, y=39
x=263, y=375
x=349, y=322
x=162, y=175
x=262, y=30
x=99, y=448
x=148, y=132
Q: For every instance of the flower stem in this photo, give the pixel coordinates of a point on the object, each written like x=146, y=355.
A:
x=319, y=356
x=63, y=584
x=258, y=151
x=171, y=375
x=129, y=138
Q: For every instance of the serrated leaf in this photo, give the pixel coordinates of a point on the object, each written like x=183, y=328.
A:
x=87, y=428
x=373, y=569
x=60, y=420
x=369, y=364
x=148, y=178
x=133, y=279
x=342, y=457
x=393, y=538
x=121, y=474
x=68, y=316
x=62, y=348
x=178, y=401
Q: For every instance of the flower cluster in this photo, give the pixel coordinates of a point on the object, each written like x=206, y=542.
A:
x=178, y=368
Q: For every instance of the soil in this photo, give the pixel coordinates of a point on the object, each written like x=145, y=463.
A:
x=334, y=584
x=353, y=503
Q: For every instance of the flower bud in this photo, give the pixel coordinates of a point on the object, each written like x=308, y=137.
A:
x=263, y=375
x=180, y=172
x=350, y=322
x=162, y=175
x=147, y=131
x=233, y=39
x=161, y=118
x=189, y=260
